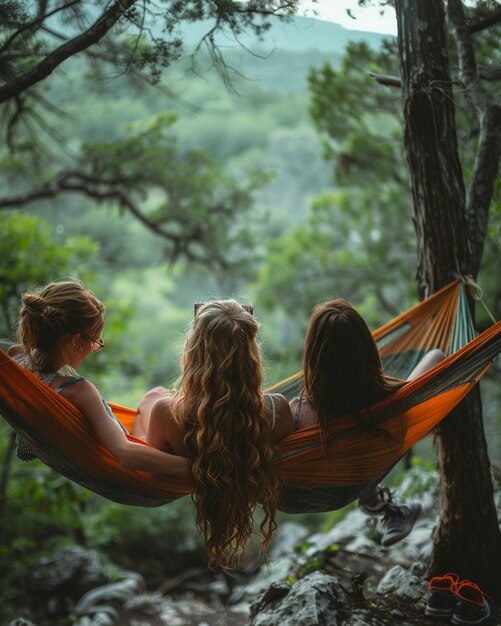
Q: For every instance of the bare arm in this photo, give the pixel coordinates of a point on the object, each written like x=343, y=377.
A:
x=129, y=454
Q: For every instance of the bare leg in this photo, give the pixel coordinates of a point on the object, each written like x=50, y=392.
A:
x=430, y=359
x=142, y=422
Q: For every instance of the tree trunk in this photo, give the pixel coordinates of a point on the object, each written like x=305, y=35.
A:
x=467, y=539
x=4, y=476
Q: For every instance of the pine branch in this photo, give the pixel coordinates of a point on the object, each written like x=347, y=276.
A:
x=83, y=41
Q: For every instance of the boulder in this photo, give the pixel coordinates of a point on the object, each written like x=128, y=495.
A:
x=312, y=601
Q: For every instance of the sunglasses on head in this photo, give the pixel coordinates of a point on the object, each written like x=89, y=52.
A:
x=246, y=307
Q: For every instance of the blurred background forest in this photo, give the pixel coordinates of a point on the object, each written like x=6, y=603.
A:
x=302, y=150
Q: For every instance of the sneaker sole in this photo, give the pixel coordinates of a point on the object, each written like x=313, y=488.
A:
x=457, y=620
x=431, y=612
x=389, y=542
x=380, y=511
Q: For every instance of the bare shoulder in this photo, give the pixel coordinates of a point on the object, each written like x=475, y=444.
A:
x=79, y=389
x=283, y=406
x=164, y=432
x=306, y=416
x=16, y=350
x=164, y=407
x=284, y=424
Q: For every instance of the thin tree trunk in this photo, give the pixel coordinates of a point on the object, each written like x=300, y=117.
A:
x=467, y=539
x=4, y=476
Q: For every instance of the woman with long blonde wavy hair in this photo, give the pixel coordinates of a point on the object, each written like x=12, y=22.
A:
x=220, y=418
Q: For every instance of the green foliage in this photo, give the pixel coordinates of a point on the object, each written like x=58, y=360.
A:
x=357, y=118
x=357, y=242
x=421, y=478
x=42, y=510
x=32, y=254
x=52, y=506
x=333, y=517
x=13, y=14
x=354, y=244
x=169, y=531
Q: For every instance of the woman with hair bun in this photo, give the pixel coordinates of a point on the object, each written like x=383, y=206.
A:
x=220, y=418
x=59, y=326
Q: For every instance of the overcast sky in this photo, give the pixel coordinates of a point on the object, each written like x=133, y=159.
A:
x=369, y=19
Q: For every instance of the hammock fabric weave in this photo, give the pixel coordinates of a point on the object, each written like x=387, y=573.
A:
x=354, y=452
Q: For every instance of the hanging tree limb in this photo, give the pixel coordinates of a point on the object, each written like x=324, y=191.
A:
x=196, y=240
x=86, y=39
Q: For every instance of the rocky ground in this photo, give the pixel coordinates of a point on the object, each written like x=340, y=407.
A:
x=342, y=577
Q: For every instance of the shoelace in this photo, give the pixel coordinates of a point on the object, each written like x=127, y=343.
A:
x=393, y=510
x=465, y=590
x=447, y=582
x=385, y=494
x=472, y=587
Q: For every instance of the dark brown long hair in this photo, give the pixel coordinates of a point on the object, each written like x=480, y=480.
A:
x=342, y=367
x=227, y=433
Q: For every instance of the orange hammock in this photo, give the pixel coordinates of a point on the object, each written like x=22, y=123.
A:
x=354, y=452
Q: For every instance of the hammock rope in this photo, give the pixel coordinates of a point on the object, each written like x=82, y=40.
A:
x=316, y=469
x=476, y=293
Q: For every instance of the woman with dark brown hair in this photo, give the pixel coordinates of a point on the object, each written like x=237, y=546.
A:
x=342, y=375
x=220, y=418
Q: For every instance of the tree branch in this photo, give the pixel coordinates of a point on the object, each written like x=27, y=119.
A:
x=181, y=238
x=487, y=158
x=484, y=23
x=385, y=79
x=42, y=16
x=489, y=73
x=91, y=36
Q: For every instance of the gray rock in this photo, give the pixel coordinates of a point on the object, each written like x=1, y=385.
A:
x=403, y=584
x=311, y=601
x=343, y=532
x=70, y=572
x=21, y=621
x=117, y=593
x=362, y=617
x=153, y=608
x=286, y=538
x=269, y=573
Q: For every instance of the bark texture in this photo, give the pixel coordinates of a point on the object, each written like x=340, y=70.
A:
x=467, y=539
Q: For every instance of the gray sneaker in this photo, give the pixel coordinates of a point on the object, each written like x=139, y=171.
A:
x=379, y=502
x=398, y=521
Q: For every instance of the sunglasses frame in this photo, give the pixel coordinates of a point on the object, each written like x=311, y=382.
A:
x=99, y=342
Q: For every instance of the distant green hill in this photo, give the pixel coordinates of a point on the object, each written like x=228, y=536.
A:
x=298, y=34
x=281, y=60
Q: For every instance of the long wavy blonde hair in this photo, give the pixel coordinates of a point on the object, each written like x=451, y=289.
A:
x=227, y=433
